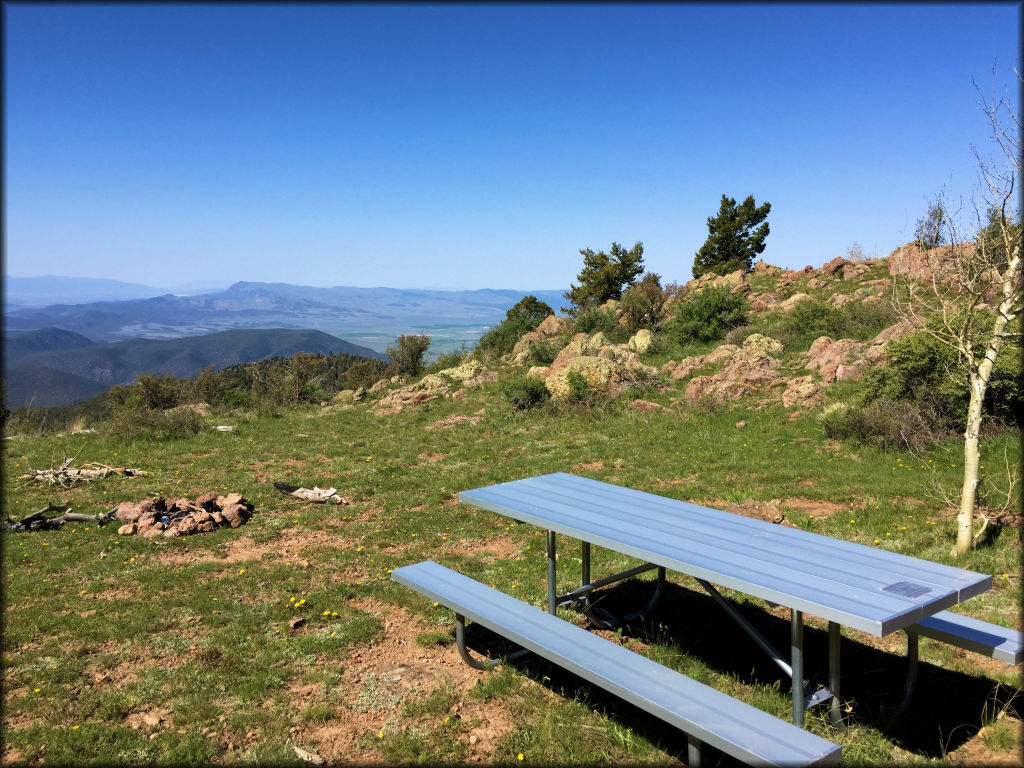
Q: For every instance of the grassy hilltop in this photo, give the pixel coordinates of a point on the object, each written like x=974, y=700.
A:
x=122, y=649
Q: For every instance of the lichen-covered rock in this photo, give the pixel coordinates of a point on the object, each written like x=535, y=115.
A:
x=756, y=346
x=128, y=529
x=538, y=370
x=345, y=396
x=802, y=391
x=468, y=370
x=360, y=394
x=792, y=301
x=641, y=342
x=379, y=387
x=554, y=326
x=600, y=372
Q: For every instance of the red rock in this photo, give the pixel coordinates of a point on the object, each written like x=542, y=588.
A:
x=187, y=526
x=128, y=529
x=202, y=516
x=831, y=267
x=218, y=518
x=233, y=515
x=206, y=526
x=207, y=499
x=155, y=505
x=128, y=512
x=231, y=498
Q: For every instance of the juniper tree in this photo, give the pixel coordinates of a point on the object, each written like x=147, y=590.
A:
x=604, y=275
x=733, y=240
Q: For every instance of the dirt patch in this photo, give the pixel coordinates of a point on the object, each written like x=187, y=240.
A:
x=433, y=456
x=591, y=466
x=294, y=462
x=378, y=678
x=500, y=548
x=452, y=421
x=816, y=508
x=973, y=752
x=289, y=545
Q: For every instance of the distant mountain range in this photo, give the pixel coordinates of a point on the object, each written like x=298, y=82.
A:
x=51, y=289
x=367, y=316
x=52, y=366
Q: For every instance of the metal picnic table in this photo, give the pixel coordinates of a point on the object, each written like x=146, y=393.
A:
x=867, y=588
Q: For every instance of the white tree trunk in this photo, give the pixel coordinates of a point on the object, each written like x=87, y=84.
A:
x=972, y=460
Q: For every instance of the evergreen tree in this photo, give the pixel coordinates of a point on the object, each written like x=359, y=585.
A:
x=604, y=275
x=930, y=227
x=733, y=240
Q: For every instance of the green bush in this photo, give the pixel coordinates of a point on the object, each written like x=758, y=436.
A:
x=921, y=369
x=445, y=361
x=524, y=392
x=524, y=317
x=595, y=319
x=580, y=390
x=542, y=352
x=643, y=302
x=707, y=316
x=407, y=354
x=131, y=423
x=807, y=320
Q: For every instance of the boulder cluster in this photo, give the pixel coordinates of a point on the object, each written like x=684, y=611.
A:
x=181, y=516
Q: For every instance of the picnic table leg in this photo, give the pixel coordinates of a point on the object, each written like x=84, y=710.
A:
x=797, y=650
x=460, y=643
x=585, y=568
x=912, y=668
x=552, y=594
x=692, y=752
x=834, y=638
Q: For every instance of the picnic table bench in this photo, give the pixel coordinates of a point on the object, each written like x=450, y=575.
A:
x=867, y=588
x=707, y=716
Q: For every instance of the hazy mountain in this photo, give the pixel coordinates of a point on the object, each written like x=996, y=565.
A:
x=49, y=289
x=369, y=316
x=60, y=376
x=20, y=343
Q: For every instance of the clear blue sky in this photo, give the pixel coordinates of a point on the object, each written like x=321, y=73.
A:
x=478, y=146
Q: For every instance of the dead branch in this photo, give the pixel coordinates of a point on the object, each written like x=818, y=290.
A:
x=67, y=476
x=41, y=521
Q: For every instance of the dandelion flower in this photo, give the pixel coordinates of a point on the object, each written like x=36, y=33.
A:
x=519, y=756
x=380, y=734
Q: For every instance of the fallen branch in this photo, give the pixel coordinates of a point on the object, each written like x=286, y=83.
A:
x=68, y=476
x=39, y=521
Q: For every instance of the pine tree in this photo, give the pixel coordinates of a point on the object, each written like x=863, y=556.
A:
x=604, y=275
x=732, y=240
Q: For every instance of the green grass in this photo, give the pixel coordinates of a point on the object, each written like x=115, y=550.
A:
x=191, y=628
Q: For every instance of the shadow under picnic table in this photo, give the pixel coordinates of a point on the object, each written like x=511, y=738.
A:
x=946, y=710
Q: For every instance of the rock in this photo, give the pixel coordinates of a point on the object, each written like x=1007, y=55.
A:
x=912, y=262
x=792, y=301
x=641, y=341
x=360, y=394
x=187, y=526
x=764, y=268
x=151, y=531
x=128, y=512
x=740, y=424
x=600, y=373
x=379, y=387
x=206, y=526
x=468, y=370
x=831, y=267
x=345, y=396
x=756, y=346
x=554, y=326
x=595, y=343
x=761, y=510
x=826, y=355
x=154, y=505
x=207, y=500
x=128, y=529
x=839, y=299
x=296, y=622
x=802, y=391
x=538, y=370
x=217, y=517
x=235, y=515
x=815, y=282
x=171, y=532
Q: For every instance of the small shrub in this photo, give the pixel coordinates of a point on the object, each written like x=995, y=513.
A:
x=445, y=361
x=595, y=319
x=580, y=390
x=524, y=392
x=643, y=302
x=145, y=422
x=408, y=352
x=707, y=316
x=525, y=316
x=883, y=423
x=542, y=352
